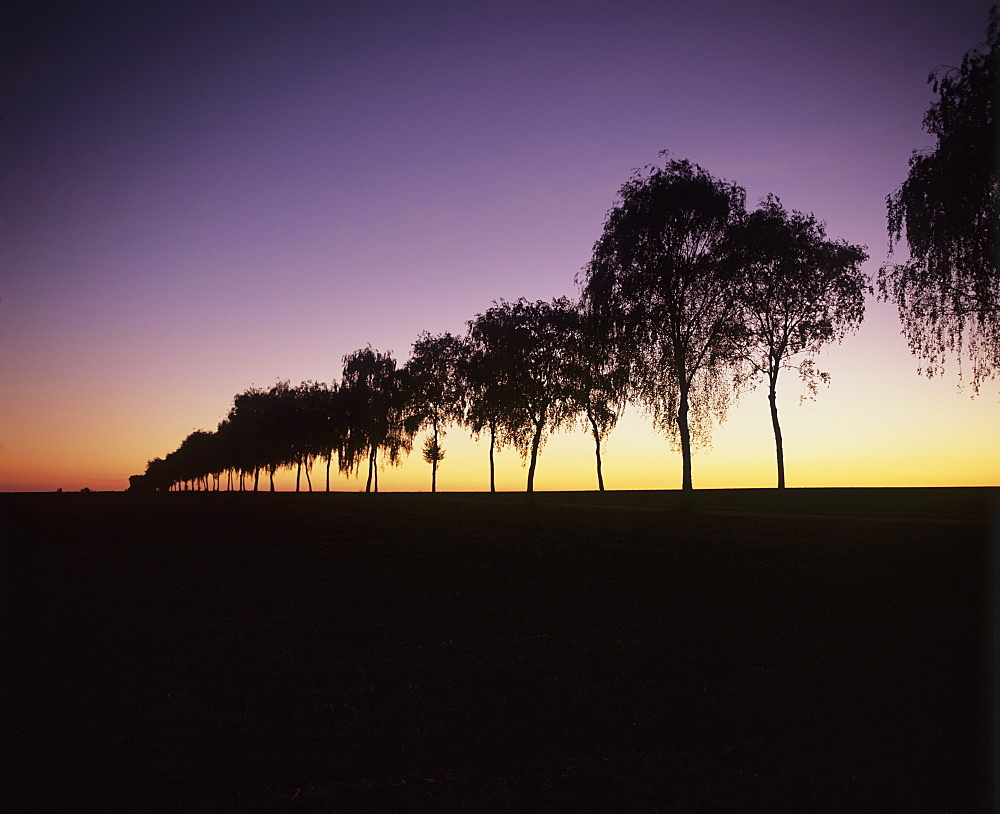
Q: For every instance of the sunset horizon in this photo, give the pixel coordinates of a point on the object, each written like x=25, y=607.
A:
x=193, y=204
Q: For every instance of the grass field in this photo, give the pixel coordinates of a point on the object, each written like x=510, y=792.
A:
x=826, y=651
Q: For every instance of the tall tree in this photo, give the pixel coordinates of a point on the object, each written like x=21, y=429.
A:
x=660, y=280
x=434, y=392
x=948, y=292
x=799, y=292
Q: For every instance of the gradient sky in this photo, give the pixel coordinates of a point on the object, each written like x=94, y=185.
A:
x=200, y=197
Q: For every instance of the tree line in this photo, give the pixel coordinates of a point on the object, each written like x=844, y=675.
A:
x=688, y=299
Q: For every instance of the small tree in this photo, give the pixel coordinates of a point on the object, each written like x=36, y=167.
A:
x=948, y=292
x=433, y=454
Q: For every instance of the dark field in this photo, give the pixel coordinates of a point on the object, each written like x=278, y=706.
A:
x=214, y=652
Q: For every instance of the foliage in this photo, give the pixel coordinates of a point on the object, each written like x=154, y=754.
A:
x=432, y=451
x=662, y=284
x=948, y=292
x=598, y=380
x=434, y=394
x=798, y=291
x=373, y=395
x=529, y=345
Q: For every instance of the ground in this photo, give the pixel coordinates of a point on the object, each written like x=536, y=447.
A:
x=822, y=652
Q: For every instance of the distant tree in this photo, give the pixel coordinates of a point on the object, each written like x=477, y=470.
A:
x=799, y=291
x=332, y=427
x=598, y=381
x=948, y=292
x=483, y=370
x=433, y=454
x=247, y=433
x=308, y=436
x=277, y=420
x=373, y=396
x=531, y=342
x=157, y=476
x=434, y=389
x=661, y=283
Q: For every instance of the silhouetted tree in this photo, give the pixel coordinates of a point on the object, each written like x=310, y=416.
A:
x=275, y=430
x=434, y=391
x=948, y=292
x=247, y=430
x=374, y=398
x=433, y=454
x=799, y=292
x=531, y=341
x=660, y=280
x=598, y=380
x=307, y=435
x=331, y=426
x=483, y=370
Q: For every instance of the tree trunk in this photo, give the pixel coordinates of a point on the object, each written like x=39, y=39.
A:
x=371, y=467
x=772, y=397
x=256, y=477
x=298, y=473
x=534, y=454
x=270, y=472
x=597, y=449
x=329, y=460
x=375, y=459
x=685, y=433
x=493, y=443
x=434, y=463
x=309, y=481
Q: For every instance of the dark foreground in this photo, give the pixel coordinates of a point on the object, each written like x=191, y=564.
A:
x=192, y=652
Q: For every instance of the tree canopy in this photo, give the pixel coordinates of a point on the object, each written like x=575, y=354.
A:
x=661, y=282
x=798, y=291
x=948, y=291
x=434, y=396
x=529, y=345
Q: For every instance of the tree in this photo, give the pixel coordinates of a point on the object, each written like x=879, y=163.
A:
x=246, y=430
x=799, y=291
x=529, y=343
x=433, y=454
x=598, y=381
x=660, y=282
x=434, y=392
x=948, y=292
x=482, y=371
x=373, y=397
x=331, y=430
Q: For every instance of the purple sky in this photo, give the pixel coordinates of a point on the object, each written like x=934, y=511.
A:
x=197, y=197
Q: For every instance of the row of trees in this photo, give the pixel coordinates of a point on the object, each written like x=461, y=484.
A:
x=687, y=299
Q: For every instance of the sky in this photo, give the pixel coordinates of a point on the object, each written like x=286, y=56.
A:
x=197, y=198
